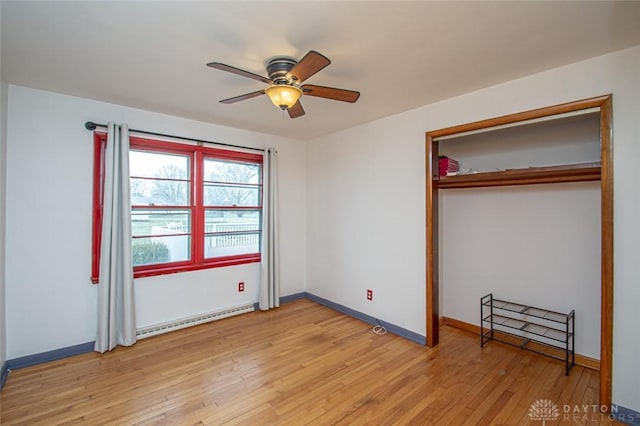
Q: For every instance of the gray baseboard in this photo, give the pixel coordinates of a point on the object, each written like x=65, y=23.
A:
x=35, y=359
x=4, y=373
x=626, y=415
x=285, y=299
x=391, y=328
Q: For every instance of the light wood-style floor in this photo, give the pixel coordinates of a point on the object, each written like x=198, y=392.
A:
x=300, y=364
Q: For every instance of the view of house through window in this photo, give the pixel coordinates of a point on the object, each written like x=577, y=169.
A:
x=191, y=207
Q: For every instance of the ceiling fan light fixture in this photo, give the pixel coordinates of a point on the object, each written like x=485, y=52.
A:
x=284, y=96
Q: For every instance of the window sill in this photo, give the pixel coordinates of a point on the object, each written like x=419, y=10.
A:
x=217, y=263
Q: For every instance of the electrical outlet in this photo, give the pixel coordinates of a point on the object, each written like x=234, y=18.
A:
x=369, y=294
x=241, y=286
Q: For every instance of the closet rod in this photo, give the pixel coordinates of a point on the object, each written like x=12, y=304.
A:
x=90, y=125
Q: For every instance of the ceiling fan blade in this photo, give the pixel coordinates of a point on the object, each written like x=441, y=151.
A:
x=242, y=97
x=238, y=71
x=331, y=93
x=296, y=110
x=308, y=66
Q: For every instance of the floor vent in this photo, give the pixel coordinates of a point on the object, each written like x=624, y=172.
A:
x=194, y=320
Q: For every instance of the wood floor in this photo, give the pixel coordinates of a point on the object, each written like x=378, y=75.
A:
x=300, y=364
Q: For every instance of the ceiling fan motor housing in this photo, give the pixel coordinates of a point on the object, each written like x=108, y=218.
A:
x=279, y=67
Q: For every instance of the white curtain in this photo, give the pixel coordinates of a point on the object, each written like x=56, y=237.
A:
x=116, y=304
x=270, y=278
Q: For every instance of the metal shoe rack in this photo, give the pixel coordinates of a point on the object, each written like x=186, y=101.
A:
x=538, y=330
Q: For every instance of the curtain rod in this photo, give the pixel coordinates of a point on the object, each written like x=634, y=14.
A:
x=90, y=125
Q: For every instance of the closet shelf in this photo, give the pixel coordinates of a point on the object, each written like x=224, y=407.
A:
x=532, y=175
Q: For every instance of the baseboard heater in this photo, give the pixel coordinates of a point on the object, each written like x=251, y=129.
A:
x=191, y=321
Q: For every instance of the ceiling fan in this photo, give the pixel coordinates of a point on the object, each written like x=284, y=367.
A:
x=285, y=76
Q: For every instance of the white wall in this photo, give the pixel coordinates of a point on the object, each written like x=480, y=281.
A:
x=538, y=245
x=48, y=238
x=366, y=199
x=365, y=221
x=3, y=170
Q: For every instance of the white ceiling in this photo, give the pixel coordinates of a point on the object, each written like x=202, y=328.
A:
x=399, y=55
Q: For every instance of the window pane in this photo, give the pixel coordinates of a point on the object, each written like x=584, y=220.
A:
x=231, y=195
x=156, y=164
x=160, y=222
x=231, y=172
x=228, y=233
x=231, y=220
x=153, y=250
x=159, y=179
x=153, y=192
x=231, y=244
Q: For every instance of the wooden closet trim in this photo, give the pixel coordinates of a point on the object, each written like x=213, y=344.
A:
x=604, y=103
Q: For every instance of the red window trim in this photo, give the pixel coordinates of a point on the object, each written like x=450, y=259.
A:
x=197, y=154
x=99, y=142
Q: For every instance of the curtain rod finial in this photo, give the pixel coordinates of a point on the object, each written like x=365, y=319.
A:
x=89, y=125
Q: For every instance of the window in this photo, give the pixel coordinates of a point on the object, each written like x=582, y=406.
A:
x=191, y=207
